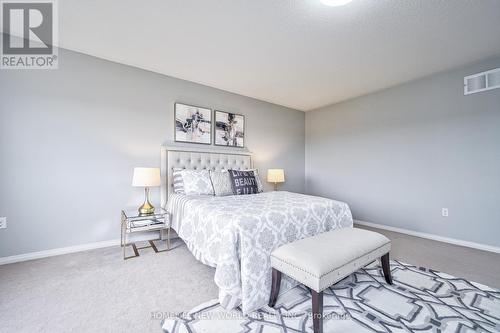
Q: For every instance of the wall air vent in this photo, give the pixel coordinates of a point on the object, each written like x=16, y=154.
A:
x=482, y=81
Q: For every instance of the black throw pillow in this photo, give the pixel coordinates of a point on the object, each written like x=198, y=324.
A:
x=243, y=182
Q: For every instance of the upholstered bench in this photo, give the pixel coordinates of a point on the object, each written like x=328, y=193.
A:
x=320, y=261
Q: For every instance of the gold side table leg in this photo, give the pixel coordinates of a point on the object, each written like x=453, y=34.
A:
x=152, y=244
x=136, y=252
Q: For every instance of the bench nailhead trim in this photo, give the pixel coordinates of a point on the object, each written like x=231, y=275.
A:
x=319, y=277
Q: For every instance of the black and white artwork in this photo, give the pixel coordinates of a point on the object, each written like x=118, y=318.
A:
x=193, y=124
x=229, y=129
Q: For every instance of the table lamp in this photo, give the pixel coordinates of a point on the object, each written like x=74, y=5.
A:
x=146, y=177
x=276, y=176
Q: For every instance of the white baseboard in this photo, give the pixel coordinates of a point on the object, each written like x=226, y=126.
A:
x=59, y=251
x=138, y=237
x=116, y=242
x=449, y=240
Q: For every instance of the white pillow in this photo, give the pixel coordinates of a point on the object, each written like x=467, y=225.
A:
x=197, y=182
x=221, y=182
x=178, y=183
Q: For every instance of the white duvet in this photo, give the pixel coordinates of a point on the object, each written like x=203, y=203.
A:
x=236, y=234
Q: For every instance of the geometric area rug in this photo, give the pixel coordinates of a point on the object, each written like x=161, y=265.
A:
x=420, y=300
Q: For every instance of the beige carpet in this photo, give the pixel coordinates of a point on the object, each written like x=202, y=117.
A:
x=464, y=262
x=96, y=291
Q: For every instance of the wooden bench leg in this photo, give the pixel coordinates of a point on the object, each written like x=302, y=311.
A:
x=317, y=311
x=386, y=267
x=275, y=287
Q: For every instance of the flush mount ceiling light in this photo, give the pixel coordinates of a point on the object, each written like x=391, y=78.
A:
x=335, y=3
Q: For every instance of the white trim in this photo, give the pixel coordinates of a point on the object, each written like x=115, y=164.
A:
x=59, y=251
x=116, y=242
x=136, y=237
x=479, y=246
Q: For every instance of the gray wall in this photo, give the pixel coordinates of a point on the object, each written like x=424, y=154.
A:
x=398, y=156
x=71, y=137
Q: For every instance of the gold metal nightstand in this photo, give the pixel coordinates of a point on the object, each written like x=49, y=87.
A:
x=132, y=222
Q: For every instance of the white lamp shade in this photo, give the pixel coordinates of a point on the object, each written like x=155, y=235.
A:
x=275, y=175
x=146, y=177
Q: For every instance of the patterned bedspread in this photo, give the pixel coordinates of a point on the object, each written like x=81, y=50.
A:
x=236, y=234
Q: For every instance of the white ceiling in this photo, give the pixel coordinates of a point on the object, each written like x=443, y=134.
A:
x=296, y=53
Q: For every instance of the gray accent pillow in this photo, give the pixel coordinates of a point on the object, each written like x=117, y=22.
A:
x=221, y=182
x=243, y=182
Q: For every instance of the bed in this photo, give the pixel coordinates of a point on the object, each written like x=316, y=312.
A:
x=236, y=234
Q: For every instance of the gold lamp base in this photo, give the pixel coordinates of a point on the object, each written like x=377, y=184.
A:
x=147, y=208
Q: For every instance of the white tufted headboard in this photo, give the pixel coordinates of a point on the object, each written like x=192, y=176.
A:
x=198, y=158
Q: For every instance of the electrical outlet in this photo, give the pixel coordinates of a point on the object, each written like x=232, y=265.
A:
x=444, y=212
x=3, y=222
